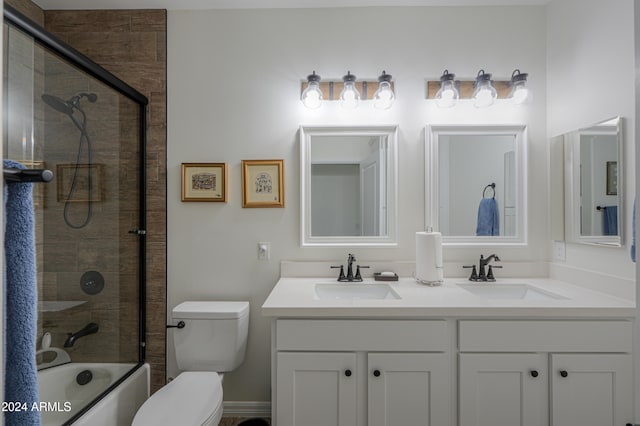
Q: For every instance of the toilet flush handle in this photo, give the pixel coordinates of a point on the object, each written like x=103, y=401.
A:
x=181, y=324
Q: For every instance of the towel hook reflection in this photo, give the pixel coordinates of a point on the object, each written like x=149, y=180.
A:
x=492, y=185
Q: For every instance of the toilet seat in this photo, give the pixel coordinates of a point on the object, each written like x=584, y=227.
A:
x=194, y=398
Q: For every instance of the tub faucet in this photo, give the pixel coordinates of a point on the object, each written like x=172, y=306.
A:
x=90, y=328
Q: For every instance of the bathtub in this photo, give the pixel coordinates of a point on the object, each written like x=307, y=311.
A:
x=62, y=397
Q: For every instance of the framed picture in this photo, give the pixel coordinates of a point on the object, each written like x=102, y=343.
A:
x=612, y=178
x=204, y=182
x=262, y=183
x=67, y=174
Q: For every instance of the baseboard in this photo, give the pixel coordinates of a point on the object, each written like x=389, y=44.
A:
x=247, y=409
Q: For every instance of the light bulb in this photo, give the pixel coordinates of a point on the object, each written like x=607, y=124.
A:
x=519, y=94
x=383, y=97
x=312, y=96
x=349, y=97
x=447, y=96
x=485, y=94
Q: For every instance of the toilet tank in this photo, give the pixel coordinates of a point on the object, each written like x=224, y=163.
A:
x=214, y=337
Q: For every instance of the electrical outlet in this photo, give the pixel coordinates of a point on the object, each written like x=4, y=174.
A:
x=264, y=251
x=559, y=251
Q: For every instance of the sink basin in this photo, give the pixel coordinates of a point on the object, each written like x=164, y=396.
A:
x=509, y=291
x=351, y=291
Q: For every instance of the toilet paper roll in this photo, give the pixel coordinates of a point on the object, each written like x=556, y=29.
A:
x=429, y=268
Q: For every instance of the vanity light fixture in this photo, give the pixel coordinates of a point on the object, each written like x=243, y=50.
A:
x=314, y=92
x=520, y=93
x=483, y=90
x=349, y=97
x=312, y=96
x=484, y=94
x=447, y=96
x=383, y=97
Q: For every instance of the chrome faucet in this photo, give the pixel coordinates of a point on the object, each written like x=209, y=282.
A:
x=482, y=274
x=90, y=328
x=350, y=277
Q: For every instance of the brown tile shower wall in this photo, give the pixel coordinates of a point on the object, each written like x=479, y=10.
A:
x=132, y=45
x=29, y=9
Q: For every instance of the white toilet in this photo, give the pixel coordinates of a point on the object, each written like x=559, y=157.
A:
x=212, y=341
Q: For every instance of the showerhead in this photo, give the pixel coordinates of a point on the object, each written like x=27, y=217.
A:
x=66, y=107
x=58, y=104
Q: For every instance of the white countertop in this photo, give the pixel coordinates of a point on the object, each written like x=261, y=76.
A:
x=295, y=297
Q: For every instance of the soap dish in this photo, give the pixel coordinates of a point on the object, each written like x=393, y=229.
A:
x=379, y=277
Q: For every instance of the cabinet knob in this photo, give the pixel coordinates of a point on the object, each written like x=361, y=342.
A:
x=376, y=373
x=564, y=373
x=347, y=373
x=534, y=373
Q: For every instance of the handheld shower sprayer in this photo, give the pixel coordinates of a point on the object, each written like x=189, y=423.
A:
x=69, y=107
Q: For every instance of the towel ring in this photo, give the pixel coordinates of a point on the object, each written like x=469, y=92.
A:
x=492, y=185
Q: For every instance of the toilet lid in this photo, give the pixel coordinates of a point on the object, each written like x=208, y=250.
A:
x=190, y=399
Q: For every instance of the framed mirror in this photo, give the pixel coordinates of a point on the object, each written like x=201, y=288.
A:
x=594, y=184
x=476, y=179
x=348, y=184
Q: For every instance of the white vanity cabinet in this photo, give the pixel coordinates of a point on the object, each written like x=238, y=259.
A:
x=362, y=372
x=316, y=388
x=537, y=373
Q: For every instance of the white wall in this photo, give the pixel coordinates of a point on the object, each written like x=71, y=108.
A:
x=637, y=181
x=590, y=78
x=234, y=85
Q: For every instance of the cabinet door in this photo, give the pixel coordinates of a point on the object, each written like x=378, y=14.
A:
x=503, y=390
x=316, y=389
x=591, y=390
x=408, y=389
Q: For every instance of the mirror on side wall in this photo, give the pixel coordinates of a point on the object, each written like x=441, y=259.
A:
x=593, y=184
x=476, y=179
x=348, y=185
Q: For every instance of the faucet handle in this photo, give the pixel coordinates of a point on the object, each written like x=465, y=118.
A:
x=490, y=276
x=358, y=277
x=341, y=277
x=474, y=272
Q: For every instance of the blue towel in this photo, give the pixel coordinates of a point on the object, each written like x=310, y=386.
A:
x=21, y=298
x=610, y=221
x=488, y=223
x=633, y=233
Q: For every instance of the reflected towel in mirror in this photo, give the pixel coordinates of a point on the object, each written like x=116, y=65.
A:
x=610, y=220
x=488, y=221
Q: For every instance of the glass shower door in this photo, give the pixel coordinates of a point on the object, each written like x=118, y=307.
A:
x=89, y=247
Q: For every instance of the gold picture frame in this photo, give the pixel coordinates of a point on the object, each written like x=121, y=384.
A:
x=65, y=176
x=262, y=183
x=204, y=182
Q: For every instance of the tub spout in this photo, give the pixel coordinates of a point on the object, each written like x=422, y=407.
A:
x=90, y=328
